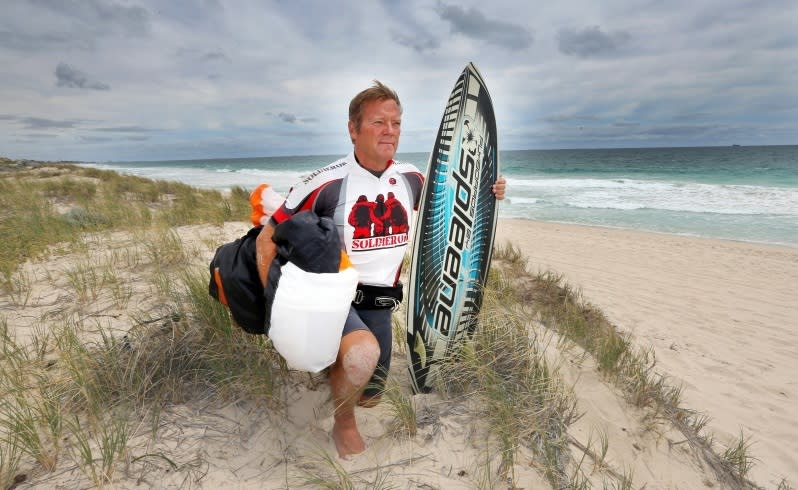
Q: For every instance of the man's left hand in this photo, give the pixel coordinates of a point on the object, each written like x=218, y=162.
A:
x=498, y=188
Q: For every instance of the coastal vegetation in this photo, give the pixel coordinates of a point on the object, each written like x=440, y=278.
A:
x=128, y=345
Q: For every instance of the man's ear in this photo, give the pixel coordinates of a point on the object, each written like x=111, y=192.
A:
x=352, y=131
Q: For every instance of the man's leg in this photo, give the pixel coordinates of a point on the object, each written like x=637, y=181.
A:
x=379, y=322
x=357, y=358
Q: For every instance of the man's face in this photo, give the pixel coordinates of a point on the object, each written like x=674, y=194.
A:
x=377, y=138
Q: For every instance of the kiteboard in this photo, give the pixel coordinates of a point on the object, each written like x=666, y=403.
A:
x=455, y=230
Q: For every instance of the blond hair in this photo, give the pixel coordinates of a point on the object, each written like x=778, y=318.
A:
x=378, y=91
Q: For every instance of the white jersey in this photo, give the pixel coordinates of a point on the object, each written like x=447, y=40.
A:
x=374, y=215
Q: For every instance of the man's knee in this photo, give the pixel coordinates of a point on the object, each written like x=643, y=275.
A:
x=359, y=355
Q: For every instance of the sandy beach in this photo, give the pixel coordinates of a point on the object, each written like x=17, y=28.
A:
x=721, y=316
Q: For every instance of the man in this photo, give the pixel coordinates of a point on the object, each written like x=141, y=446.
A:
x=375, y=117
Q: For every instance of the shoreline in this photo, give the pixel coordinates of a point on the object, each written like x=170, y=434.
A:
x=653, y=232
x=738, y=219
x=720, y=316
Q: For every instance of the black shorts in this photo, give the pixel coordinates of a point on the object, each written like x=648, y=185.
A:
x=378, y=322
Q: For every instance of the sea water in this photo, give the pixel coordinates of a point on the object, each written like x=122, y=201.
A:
x=738, y=193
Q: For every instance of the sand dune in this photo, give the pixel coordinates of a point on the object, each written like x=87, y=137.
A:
x=721, y=316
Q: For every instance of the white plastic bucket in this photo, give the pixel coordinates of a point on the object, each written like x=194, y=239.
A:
x=308, y=315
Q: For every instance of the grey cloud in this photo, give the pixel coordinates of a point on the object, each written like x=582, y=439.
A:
x=473, y=23
x=111, y=15
x=56, y=25
x=193, y=55
x=193, y=13
x=691, y=116
x=293, y=119
x=95, y=139
x=215, y=56
x=71, y=77
x=411, y=34
x=419, y=42
x=40, y=135
x=590, y=41
x=138, y=138
x=564, y=118
x=24, y=41
x=124, y=129
x=685, y=130
x=8, y=117
x=42, y=123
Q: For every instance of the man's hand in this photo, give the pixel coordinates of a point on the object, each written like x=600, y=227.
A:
x=498, y=188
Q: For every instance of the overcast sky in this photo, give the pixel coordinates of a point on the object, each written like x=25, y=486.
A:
x=99, y=80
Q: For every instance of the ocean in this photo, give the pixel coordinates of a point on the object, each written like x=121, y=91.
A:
x=737, y=193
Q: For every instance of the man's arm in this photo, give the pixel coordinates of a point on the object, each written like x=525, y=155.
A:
x=265, y=251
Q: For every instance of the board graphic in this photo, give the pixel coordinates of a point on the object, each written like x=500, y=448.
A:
x=454, y=232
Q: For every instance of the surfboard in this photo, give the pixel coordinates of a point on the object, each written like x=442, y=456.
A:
x=455, y=230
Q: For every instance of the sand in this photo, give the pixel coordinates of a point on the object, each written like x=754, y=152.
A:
x=721, y=316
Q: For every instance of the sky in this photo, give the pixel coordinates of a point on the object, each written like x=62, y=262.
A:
x=121, y=80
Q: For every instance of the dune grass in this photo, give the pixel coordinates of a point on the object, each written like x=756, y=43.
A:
x=68, y=395
x=80, y=390
x=56, y=204
x=84, y=407
x=562, y=309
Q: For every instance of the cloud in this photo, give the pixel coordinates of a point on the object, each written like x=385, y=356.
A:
x=285, y=117
x=293, y=118
x=46, y=26
x=108, y=14
x=20, y=40
x=590, y=41
x=691, y=116
x=125, y=129
x=42, y=123
x=219, y=71
x=40, y=135
x=71, y=77
x=95, y=139
x=565, y=118
x=418, y=41
x=687, y=131
x=197, y=14
x=215, y=56
x=473, y=23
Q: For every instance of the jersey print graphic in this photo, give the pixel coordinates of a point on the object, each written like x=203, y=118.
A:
x=378, y=224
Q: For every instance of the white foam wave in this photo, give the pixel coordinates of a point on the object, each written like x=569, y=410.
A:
x=623, y=194
x=213, y=178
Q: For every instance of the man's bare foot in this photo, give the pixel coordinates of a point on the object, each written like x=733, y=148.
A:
x=347, y=439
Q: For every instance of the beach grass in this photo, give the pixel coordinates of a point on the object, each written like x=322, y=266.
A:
x=54, y=205
x=401, y=406
x=504, y=371
x=80, y=390
x=562, y=309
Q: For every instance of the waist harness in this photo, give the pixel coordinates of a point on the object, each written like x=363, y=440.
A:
x=370, y=297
